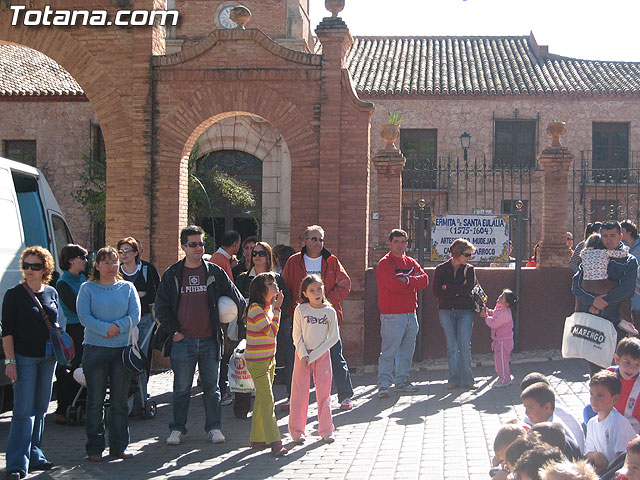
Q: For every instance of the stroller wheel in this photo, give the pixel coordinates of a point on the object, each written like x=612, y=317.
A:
x=71, y=415
x=151, y=409
x=80, y=415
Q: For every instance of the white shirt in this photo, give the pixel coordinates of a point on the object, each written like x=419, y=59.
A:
x=223, y=252
x=314, y=329
x=568, y=422
x=610, y=436
x=313, y=265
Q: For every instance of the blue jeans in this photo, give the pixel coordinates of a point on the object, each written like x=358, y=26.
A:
x=458, y=326
x=398, y=332
x=103, y=366
x=184, y=356
x=340, y=371
x=31, y=395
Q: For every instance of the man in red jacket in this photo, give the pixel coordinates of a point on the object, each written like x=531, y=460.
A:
x=399, y=278
x=315, y=259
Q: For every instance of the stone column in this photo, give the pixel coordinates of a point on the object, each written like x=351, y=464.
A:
x=555, y=161
x=389, y=164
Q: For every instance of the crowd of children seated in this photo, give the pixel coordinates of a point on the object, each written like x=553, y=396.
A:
x=551, y=444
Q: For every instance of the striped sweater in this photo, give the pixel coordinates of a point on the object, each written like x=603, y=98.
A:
x=262, y=330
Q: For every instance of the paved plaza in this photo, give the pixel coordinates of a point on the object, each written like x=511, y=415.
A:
x=433, y=434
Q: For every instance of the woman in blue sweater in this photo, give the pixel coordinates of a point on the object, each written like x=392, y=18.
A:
x=73, y=261
x=108, y=308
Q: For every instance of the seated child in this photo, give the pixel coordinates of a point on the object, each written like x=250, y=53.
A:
x=539, y=403
x=500, y=321
x=506, y=436
x=530, y=463
x=519, y=447
x=595, y=278
x=608, y=432
x=631, y=470
x=566, y=470
x=554, y=435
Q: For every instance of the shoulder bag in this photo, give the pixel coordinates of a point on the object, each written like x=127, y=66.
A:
x=61, y=342
x=131, y=356
x=478, y=297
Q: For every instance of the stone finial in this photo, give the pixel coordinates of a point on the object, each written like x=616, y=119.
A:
x=556, y=130
x=390, y=133
x=334, y=6
x=240, y=15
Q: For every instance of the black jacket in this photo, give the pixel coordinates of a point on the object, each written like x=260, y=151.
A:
x=168, y=300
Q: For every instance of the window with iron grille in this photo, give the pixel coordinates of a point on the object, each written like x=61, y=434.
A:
x=610, y=145
x=515, y=143
x=21, y=151
x=605, y=210
x=420, y=148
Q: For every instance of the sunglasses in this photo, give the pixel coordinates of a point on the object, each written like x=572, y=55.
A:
x=194, y=244
x=33, y=266
x=259, y=253
x=82, y=257
x=125, y=250
x=316, y=239
x=468, y=255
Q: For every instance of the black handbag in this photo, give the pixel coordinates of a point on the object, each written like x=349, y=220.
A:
x=131, y=356
x=478, y=297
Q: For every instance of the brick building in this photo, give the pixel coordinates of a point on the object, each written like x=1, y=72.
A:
x=300, y=108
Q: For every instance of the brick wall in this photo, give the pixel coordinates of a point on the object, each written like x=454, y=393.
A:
x=59, y=148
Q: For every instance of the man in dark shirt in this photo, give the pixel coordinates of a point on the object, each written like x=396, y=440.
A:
x=187, y=308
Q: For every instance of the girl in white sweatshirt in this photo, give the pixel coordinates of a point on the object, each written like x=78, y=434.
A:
x=315, y=331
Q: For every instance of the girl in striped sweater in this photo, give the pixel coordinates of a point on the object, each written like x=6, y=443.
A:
x=263, y=320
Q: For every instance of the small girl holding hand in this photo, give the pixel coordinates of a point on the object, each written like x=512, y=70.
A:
x=263, y=320
x=500, y=321
x=315, y=331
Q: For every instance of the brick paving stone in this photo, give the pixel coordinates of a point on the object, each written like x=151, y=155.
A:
x=435, y=434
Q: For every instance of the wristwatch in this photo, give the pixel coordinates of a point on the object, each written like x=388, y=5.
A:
x=7, y=361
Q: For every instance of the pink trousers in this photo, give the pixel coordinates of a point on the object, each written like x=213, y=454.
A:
x=299, y=403
x=501, y=353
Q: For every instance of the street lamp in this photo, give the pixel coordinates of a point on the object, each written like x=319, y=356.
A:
x=465, y=142
x=213, y=226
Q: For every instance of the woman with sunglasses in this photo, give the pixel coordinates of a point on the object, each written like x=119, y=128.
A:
x=109, y=308
x=453, y=281
x=146, y=279
x=262, y=262
x=73, y=261
x=29, y=363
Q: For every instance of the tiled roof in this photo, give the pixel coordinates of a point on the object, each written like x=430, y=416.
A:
x=480, y=66
x=27, y=72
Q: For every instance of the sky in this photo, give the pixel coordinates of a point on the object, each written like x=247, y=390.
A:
x=585, y=29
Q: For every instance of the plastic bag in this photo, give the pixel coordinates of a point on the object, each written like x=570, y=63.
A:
x=239, y=377
x=590, y=337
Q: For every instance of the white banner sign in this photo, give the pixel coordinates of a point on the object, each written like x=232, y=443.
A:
x=488, y=233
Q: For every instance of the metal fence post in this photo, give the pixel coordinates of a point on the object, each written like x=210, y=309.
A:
x=519, y=249
x=420, y=245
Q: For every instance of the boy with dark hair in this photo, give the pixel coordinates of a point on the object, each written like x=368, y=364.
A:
x=554, y=435
x=566, y=419
x=518, y=447
x=608, y=432
x=539, y=404
x=531, y=461
x=627, y=358
x=507, y=434
x=631, y=469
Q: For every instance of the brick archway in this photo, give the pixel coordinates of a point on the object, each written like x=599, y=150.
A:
x=182, y=127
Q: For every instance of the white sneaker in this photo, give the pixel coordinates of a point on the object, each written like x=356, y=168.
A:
x=175, y=438
x=216, y=436
x=628, y=327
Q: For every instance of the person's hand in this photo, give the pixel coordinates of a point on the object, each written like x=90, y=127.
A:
x=113, y=330
x=403, y=279
x=600, y=303
x=621, y=474
x=593, y=310
x=305, y=361
x=444, y=287
x=277, y=300
x=141, y=294
x=177, y=337
x=11, y=371
x=484, y=313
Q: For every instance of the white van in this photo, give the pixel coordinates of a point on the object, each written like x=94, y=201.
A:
x=29, y=215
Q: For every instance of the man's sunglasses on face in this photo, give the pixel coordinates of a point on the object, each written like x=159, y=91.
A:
x=194, y=244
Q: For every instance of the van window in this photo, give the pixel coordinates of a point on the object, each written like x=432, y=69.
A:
x=31, y=211
x=61, y=235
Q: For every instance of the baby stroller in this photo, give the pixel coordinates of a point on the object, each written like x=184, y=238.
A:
x=146, y=408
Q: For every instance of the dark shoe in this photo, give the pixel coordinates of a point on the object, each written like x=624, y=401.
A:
x=60, y=419
x=241, y=415
x=471, y=386
x=383, y=392
x=258, y=445
x=95, y=458
x=44, y=466
x=123, y=455
x=407, y=387
x=451, y=386
x=15, y=475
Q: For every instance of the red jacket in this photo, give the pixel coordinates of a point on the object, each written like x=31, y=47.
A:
x=395, y=296
x=224, y=263
x=337, y=283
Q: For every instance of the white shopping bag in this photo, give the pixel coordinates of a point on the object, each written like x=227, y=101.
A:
x=590, y=337
x=239, y=377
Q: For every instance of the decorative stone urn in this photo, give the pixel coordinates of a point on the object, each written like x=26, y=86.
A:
x=334, y=6
x=240, y=15
x=390, y=133
x=556, y=130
